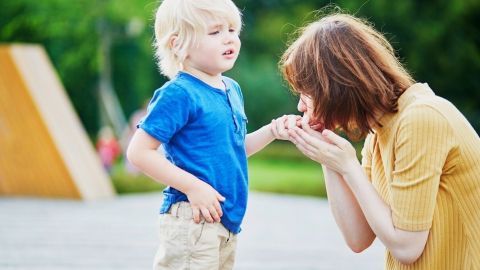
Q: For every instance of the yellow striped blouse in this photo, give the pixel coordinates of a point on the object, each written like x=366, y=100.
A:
x=425, y=164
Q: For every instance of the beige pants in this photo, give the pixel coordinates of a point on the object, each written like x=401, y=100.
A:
x=185, y=245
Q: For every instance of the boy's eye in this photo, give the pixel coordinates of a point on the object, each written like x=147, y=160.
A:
x=214, y=32
x=231, y=30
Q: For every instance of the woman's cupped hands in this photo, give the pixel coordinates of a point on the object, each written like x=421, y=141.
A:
x=321, y=145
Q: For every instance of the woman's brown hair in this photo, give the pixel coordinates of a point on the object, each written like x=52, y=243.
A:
x=349, y=70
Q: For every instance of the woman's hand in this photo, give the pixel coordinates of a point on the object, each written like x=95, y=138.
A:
x=327, y=148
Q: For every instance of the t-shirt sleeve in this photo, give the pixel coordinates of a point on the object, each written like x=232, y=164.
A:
x=423, y=141
x=168, y=111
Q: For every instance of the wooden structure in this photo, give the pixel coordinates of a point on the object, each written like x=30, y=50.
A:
x=44, y=149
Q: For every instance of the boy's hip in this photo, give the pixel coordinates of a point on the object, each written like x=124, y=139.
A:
x=233, y=209
x=185, y=244
x=181, y=213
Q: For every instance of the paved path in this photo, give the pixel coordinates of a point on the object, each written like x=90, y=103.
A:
x=280, y=232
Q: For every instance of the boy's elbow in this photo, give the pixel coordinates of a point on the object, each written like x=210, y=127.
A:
x=131, y=155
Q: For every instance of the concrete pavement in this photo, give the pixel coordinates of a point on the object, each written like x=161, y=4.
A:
x=280, y=232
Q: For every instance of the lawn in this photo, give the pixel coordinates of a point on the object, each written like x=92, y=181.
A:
x=279, y=168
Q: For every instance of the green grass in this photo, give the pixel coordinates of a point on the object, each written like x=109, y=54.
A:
x=279, y=168
x=285, y=176
x=125, y=182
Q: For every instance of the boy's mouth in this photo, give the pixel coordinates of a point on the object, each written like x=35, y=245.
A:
x=228, y=52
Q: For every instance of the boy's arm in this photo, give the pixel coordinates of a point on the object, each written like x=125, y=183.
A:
x=142, y=152
x=258, y=139
x=277, y=129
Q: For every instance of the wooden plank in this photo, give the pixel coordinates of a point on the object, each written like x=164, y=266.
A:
x=44, y=150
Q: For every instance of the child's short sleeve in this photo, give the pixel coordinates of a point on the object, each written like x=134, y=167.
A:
x=168, y=111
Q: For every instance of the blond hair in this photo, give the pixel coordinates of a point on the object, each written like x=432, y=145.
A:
x=185, y=20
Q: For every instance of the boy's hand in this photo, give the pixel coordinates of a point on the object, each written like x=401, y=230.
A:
x=205, y=201
x=281, y=125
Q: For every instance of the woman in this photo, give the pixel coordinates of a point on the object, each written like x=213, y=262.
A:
x=418, y=186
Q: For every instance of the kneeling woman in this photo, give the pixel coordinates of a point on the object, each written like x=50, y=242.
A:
x=418, y=186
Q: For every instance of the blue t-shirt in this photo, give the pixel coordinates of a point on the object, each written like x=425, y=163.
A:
x=202, y=130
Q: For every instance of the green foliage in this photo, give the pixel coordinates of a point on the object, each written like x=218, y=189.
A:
x=437, y=40
x=279, y=168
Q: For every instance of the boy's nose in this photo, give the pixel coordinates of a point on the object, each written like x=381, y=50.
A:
x=228, y=40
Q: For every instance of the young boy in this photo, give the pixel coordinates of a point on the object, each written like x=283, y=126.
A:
x=199, y=119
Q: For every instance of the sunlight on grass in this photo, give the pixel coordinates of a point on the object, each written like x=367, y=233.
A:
x=286, y=176
x=279, y=168
x=125, y=182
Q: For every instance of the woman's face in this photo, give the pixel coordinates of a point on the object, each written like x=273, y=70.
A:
x=305, y=105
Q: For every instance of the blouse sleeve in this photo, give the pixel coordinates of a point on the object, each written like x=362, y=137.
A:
x=367, y=156
x=423, y=141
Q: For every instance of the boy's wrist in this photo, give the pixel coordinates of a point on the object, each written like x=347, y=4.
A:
x=189, y=186
x=270, y=132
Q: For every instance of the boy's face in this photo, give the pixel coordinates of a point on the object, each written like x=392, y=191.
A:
x=216, y=51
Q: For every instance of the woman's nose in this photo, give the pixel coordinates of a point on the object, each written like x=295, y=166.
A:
x=301, y=106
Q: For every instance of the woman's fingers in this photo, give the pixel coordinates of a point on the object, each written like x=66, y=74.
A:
x=336, y=139
x=304, y=150
x=309, y=139
x=299, y=140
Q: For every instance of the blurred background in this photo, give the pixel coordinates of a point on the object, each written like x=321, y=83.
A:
x=102, y=51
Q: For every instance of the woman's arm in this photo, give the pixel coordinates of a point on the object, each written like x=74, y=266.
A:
x=405, y=246
x=338, y=155
x=347, y=213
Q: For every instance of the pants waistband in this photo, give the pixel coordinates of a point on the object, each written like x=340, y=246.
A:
x=181, y=209
x=184, y=210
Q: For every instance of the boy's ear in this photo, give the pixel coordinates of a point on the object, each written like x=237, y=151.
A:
x=172, y=43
